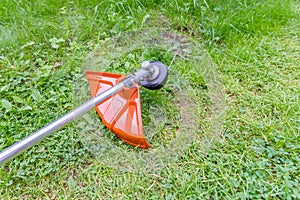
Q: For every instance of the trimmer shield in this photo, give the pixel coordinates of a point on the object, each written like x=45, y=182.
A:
x=120, y=113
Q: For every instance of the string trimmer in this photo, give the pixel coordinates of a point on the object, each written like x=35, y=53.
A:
x=116, y=99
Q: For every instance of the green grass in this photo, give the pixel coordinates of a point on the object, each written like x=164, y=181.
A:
x=256, y=46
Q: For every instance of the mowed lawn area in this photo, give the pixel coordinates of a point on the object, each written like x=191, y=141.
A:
x=256, y=47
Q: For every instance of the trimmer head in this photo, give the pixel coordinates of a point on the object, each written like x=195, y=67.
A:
x=121, y=113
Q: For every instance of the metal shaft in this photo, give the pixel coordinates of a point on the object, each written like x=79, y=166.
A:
x=12, y=151
x=37, y=136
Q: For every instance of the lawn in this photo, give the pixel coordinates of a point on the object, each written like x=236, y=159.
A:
x=254, y=46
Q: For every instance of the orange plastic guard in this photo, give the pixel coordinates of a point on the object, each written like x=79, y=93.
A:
x=121, y=113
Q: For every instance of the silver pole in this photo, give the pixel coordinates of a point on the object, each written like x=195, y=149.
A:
x=147, y=70
x=37, y=136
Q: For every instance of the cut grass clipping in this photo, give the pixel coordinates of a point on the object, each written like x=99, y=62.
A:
x=171, y=116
